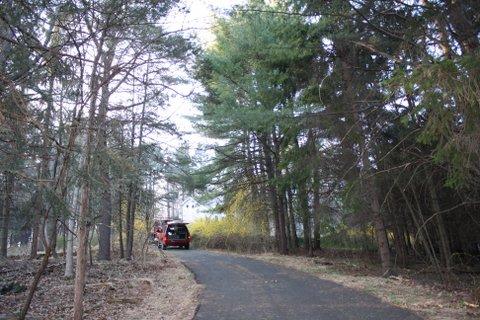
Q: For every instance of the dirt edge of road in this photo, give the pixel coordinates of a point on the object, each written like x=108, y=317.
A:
x=176, y=296
x=428, y=301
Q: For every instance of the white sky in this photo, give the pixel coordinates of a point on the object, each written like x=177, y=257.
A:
x=199, y=20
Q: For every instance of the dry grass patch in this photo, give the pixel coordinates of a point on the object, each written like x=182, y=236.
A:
x=175, y=295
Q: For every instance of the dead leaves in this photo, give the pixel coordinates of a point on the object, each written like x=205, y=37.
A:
x=111, y=290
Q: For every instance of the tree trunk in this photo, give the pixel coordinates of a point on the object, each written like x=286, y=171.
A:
x=33, y=286
x=265, y=218
x=288, y=230
x=316, y=211
x=366, y=176
x=282, y=222
x=83, y=223
x=398, y=239
x=36, y=218
x=5, y=219
x=130, y=219
x=281, y=204
x=380, y=231
x=35, y=234
x=291, y=218
x=81, y=253
x=84, y=214
x=104, y=227
x=306, y=219
x=279, y=233
x=69, y=254
x=60, y=188
x=421, y=231
x=282, y=200
x=70, y=231
x=120, y=226
x=41, y=232
x=442, y=232
x=51, y=229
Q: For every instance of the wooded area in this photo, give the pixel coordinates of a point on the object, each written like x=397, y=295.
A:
x=335, y=124
x=81, y=92
x=355, y=122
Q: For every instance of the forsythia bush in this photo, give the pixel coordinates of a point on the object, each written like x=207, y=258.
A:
x=238, y=230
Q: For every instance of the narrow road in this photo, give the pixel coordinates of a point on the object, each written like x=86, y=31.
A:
x=241, y=288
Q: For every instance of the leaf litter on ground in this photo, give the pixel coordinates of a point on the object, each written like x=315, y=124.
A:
x=117, y=289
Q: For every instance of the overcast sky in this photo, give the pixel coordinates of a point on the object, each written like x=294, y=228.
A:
x=199, y=20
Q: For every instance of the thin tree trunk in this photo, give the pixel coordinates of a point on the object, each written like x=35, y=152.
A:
x=64, y=238
x=442, y=232
x=282, y=225
x=35, y=234
x=291, y=218
x=51, y=226
x=41, y=233
x=422, y=233
x=5, y=219
x=37, y=214
x=380, y=231
x=81, y=254
x=83, y=224
x=84, y=214
x=305, y=212
x=130, y=218
x=120, y=226
x=281, y=198
x=288, y=230
x=272, y=190
x=265, y=218
x=133, y=194
x=316, y=211
x=59, y=188
x=370, y=189
x=50, y=222
x=71, y=227
x=104, y=227
x=69, y=254
x=398, y=239
x=313, y=151
x=90, y=239
x=36, y=280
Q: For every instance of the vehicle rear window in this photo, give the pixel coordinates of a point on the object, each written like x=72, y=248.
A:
x=177, y=229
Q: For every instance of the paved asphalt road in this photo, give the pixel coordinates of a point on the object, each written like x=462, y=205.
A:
x=241, y=288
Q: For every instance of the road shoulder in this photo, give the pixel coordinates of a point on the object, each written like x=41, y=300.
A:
x=175, y=294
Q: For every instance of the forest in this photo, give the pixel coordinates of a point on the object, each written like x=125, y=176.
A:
x=347, y=125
